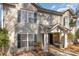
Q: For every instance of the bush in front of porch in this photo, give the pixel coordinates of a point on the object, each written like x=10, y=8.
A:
x=70, y=37
x=77, y=36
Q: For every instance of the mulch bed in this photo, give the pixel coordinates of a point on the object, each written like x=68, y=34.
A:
x=35, y=52
x=23, y=53
x=41, y=53
x=74, y=48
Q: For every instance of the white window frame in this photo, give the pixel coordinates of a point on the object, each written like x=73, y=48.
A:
x=32, y=14
x=23, y=40
x=22, y=14
x=27, y=18
x=66, y=21
x=27, y=40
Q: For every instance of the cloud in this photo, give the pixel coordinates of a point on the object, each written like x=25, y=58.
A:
x=66, y=6
x=53, y=7
x=56, y=6
x=62, y=9
x=70, y=5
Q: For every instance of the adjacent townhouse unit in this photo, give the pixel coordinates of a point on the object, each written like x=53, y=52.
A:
x=29, y=24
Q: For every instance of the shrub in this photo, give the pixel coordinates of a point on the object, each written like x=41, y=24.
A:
x=70, y=36
x=3, y=40
x=77, y=34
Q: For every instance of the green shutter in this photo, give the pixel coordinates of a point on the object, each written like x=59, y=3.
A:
x=64, y=22
x=35, y=37
x=19, y=41
x=35, y=17
x=19, y=16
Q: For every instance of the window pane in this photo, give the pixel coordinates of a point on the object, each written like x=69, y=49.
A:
x=23, y=43
x=31, y=20
x=31, y=37
x=31, y=43
x=23, y=15
x=24, y=37
x=31, y=16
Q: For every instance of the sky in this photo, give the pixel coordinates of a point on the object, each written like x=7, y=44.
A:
x=0, y=11
x=60, y=7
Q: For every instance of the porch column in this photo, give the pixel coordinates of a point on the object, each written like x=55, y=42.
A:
x=60, y=41
x=46, y=42
x=27, y=42
x=65, y=41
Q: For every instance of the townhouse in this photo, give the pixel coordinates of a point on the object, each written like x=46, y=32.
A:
x=29, y=24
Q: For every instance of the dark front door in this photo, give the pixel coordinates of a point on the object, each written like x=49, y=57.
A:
x=54, y=39
x=50, y=38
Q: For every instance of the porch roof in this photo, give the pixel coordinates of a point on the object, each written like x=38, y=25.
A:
x=50, y=28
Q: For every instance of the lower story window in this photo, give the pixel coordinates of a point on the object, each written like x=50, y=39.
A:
x=31, y=39
x=23, y=40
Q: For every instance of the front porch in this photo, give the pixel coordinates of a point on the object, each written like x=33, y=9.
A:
x=56, y=39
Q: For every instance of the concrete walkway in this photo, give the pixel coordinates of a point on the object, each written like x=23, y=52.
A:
x=61, y=52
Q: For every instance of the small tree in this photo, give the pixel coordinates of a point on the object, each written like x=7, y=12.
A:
x=72, y=23
x=3, y=40
x=77, y=34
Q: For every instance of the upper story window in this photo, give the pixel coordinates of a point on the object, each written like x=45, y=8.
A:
x=66, y=21
x=50, y=19
x=27, y=16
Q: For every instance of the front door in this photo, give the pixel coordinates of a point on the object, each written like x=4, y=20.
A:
x=54, y=38
x=50, y=38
